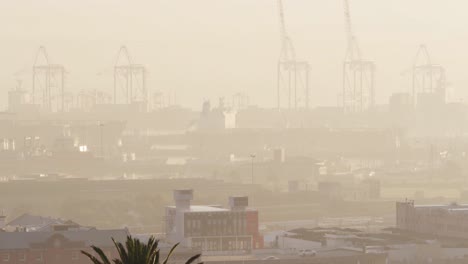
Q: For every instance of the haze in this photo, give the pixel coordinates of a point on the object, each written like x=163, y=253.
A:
x=184, y=43
x=241, y=131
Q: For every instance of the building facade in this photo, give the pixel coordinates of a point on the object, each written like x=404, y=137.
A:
x=57, y=247
x=212, y=228
x=441, y=220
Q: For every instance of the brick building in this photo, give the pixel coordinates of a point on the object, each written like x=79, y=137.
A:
x=212, y=228
x=56, y=247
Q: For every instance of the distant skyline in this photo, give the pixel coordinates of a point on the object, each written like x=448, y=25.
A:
x=214, y=48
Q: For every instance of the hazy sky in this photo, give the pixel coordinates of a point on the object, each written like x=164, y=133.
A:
x=212, y=48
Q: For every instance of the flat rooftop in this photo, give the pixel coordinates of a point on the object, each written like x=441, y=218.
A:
x=458, y=209
x=443, y=206
x=204, y=208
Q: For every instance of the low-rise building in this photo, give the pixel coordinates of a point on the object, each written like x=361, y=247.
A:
x=441, y=220
x=57, y=247
x=212, y=228
x=393, y=245
x=29, y=223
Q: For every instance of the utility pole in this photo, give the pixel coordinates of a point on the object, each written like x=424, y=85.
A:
x=252, y=175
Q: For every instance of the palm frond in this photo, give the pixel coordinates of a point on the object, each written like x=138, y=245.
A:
x=133, y=251
x=91, y=257
x=192, y=259
x=170, y=253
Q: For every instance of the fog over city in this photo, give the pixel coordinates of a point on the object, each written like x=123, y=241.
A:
x=183, y=43
x=233, y=132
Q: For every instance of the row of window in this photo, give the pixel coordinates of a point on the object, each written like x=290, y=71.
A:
x=222, y=244
x=214, y=227
x=22, y=257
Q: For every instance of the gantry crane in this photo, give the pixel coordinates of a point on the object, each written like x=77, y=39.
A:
x=130, y=78
x=48, y=83
x=428, y=78
x=358, y=92
x=291, y=73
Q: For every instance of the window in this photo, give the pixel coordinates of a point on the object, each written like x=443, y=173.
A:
x=39, y=256
x=75, y=255
x=6, y=257
x=21, y=256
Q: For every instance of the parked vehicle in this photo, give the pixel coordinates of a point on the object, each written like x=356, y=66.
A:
x=271, y=258
x=307, y=253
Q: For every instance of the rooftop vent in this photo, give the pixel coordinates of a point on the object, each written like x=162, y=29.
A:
x=238, y=202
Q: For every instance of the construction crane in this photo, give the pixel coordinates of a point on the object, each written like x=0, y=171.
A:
x=131, y=79
x=358, y=92
x=291, y=73
x=48, y=82
x=429, y=80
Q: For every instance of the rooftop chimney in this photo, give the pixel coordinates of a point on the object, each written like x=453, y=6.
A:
x=182, y=198
x=238, y=203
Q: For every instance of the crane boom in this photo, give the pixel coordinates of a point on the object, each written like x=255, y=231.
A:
x=349, y=28
x=42, y=51
x=282, y=21
x=287, y=48
x=353, y=52
x=422, y=54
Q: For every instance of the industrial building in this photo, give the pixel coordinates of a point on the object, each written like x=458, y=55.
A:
x=441, y=220
x=388, y=245
x=212, y=228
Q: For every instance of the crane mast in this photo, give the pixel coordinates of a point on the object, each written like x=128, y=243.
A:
x=290, y=72
x=358, y=93
x=353, y=52
x=48, y=83
x=287, y=48
x=131, y=79
x=429, y=80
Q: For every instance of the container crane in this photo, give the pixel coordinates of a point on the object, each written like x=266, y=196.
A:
x=131, y=79
x=358, y=92
x=429, y=80
x=291, y=73
x=48, y=82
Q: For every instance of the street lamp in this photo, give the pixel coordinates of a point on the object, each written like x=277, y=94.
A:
x=253, y=157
